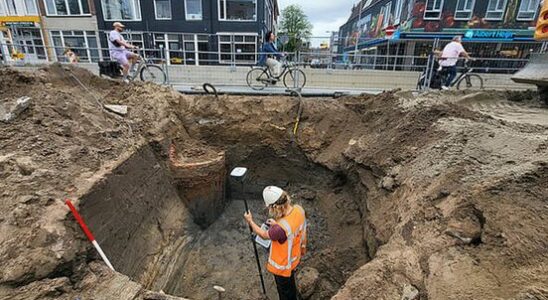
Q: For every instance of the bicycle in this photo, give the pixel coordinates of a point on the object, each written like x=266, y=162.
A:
x=259, y=77
x=145, y=69
x=466, y=79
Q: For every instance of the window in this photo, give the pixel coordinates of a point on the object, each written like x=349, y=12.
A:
x=66, y=7
x=385, y=10
x=162, y=9
x=496, y=9
x=527, y=10
x=193, y=10
x=238, y=10
x=12, y=11
x=18, y=7
x=30, y=5
x=397, y=12
x=433, y=9
x=237, y=48
x=464, y=9
x=82, y=43
x=268, y=15
x=121, y=10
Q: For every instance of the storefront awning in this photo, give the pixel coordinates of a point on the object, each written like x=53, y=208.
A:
x=18, y=19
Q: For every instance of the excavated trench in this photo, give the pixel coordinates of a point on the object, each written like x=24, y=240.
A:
x=172, y=219
x=450, y=184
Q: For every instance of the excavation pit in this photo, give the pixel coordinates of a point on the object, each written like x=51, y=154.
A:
x=143, y=219
x=441, y=195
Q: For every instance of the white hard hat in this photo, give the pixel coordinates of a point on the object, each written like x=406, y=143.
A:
x=271, y=194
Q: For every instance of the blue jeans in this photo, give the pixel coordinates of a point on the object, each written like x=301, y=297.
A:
x=451, y=74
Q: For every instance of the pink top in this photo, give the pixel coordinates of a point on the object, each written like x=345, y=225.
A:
x=277, y=234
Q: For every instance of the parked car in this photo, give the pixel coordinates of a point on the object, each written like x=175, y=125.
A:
x=176, y=60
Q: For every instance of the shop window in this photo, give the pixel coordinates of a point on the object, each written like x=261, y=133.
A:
x=433, y=9
x=464, y=9
x=527, y=10
x=496, y=9
x=162, y=9
x=66, y=7
x=121, y=10
x=83, y=43
x=193, y=10
x=238, y=10
x=240, y=48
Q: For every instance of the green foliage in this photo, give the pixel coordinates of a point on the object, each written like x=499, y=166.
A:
x=296, y=26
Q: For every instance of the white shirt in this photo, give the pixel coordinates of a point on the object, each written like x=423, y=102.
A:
x=115, y=35
x=451, y=53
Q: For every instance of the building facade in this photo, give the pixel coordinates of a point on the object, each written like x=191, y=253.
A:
x=192, y=31
x=21, y=31
x=490, y=28
x=70, y=24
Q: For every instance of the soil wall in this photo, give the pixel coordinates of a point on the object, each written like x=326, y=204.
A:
x=134, y=213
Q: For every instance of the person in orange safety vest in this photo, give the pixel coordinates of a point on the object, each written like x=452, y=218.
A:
x=287, y=232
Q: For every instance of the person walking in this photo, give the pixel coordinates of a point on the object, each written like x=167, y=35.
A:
x=287, y=231
x=269, y=55
x=449, y=58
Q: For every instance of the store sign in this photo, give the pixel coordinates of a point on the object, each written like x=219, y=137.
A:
x=488, y=34
x=20, y=24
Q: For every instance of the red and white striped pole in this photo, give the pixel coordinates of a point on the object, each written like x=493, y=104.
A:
x=90, y=236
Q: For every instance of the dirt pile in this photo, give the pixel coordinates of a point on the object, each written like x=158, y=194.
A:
x=57, y=149
x=439, y=196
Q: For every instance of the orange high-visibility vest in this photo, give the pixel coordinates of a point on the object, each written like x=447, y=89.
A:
x=284, y=258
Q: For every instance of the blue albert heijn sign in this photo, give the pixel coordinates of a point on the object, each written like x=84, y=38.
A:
x=488, y=35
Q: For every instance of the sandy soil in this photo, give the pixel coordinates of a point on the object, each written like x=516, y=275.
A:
x=438, y=196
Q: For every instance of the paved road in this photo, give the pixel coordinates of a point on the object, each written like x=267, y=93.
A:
x=306, y=92
x=233, y=79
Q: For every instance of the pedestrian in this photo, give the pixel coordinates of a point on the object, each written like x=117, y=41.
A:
x=287, y=231
x=71, y=56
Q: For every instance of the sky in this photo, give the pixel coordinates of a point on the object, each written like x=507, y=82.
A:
x=325, y=15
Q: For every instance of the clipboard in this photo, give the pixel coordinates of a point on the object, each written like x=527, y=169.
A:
x=261, y=241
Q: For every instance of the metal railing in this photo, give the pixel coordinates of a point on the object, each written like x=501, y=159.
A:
x=367, y=70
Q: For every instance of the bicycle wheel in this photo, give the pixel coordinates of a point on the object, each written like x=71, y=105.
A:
x=470, y=82
x=153, y=73
x=294, y=78
x=257, y=79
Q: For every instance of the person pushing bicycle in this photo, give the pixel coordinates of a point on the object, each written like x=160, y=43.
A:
x=449, y=58
x=118, y=46
x=269, y=55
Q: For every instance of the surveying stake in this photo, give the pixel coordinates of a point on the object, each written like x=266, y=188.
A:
x=239, y=175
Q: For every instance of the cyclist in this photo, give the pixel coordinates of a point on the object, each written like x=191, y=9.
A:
x=449, y=58
x=118, y=46
x=269, y=55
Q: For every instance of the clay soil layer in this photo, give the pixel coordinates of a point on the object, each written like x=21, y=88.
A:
x=433, y=196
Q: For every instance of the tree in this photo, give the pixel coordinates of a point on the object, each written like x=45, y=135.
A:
x=295, y=26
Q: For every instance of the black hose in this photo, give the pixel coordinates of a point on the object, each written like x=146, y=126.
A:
x=210, y=89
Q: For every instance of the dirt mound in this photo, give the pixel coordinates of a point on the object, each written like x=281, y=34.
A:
x=439, y=196
x=55, y=150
